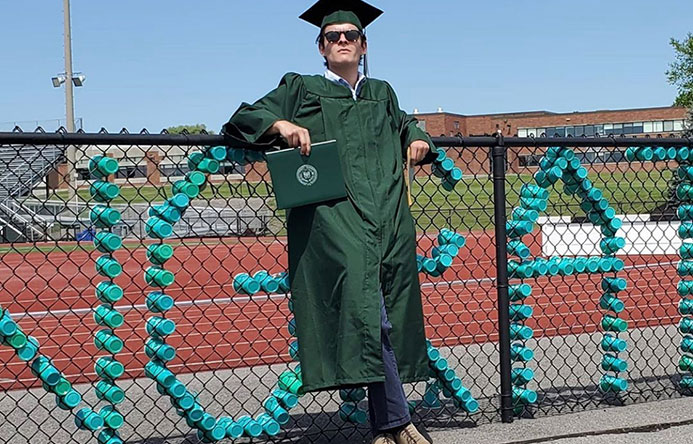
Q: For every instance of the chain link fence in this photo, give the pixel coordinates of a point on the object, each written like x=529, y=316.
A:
x=85, y=280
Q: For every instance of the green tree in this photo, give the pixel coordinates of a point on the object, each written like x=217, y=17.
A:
x=191, y=129
x=680, y=73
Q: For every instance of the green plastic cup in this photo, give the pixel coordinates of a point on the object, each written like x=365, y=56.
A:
x=104, y=191
x=185, y=402
x=610, y=302
x=684, y=192
x=236, y=155
x=7, y=326
x=611, y=245
x=158, y=254
x=158, y=277
x=350, y=412
x=469, y=406
x=189, y=189
x=520, y=270
x=86, y=419
x=611, y=363
x=518, y=248
x=161, y=327
x=156, y=349
x=433, y=354
x=533, y=191
x=286, y=399
x=533, y=204
x=107, y=340
x=108, y=267
x=243, y=283
x=159, y=302
x=686, y=382
x=166, y=212
x=612, y=323
x=521, y=376
x=520, y=312
x=69, y=401
x=107, y=242
x=524, y=396
x=580, y=264
x=547, y=178
x=519, y=292
x=686, y=325
x=196, y=413
x=110, y=392
x=519, y=352
x=111, y=417
x=30, y=349
x=611, y=343
x=102, y=166
x=107, y=316
x=158, y=228
x=108, y=367
x=216, y=433
x=17, y=340
x=216, y=152
x=440, y=364
x=108, y=292
x=251, y=427
x=269, y=424
x=612, y=384
x=180, y=200
x=276, y=411
x=209, y=166
x=234, y=430
x=614, y=285
x=290, y=383
x=104, y=217
x=520, y=332
x=62, y=388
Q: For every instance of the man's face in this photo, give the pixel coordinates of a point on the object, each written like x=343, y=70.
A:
x=342, y=52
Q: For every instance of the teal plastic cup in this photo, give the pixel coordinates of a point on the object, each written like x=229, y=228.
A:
x=195, y=413
x=30, y=349
x=593, y=195
x=166, y=212
x=349, y=412
x=454, y=384
x=580, y=264
x=469, y=406
x=533, y=204
x=158, y=254
x=49, y=375
x=446, y=165
x=158, y=277
x=104, y=191
x=234, y=430
x=686, y=325
x=109, y=292
x=610, y=302
x=532, y=191
x=686, y=306
x=107, y=367
x=159, y=373
x=614, y=285
x=251, y=427
x=611, y=343
x=524, y=214
x=524, y=396
x=521, y=376
x=520, y=312
x=185, y=402
x=520, y=353
x=462, y=394
x=612, y=384
x=433, y=354
x=547, y=162
x=352, y=395
x=449, y=249
x=7, y=326
x=446, y=376
x=612, y=323
x=571, y=188
x=112, y=418
x=62, y=388
x=686, y=230
x=106, y=242
x=109, y=317
x=243, y=283
x=443, y=262
x=86, y=419
x=283, y=281
x=286, y=399
x=573, y=164
x=520, y=332
x=17, y=340
x=552, y=268
x=106, y=340
x=454, y=176
x=579, y=174
x=159, y=302
x=686, y=251
x=419, y=263
x=209, y=166
x=611, y=245
x=450, y=237
x=189, y=189
x=547, y=178
x=605, y=265
x=685, y=172
x=293, y=350
x=429, y=265
x=267, y=283
x=685, y=268
x=109, y=436
x=69, y=401
x=158, y=228
x=567, y=154
x=440, y=364
x=518, y=270
x=216, y=433
x=276, y=411
x=180, y=200
x=592, y=264
x=682, y=153
x=101, y=167
x=110, y=392
x=104, y=217
x=290, y=383
x=108, y=267
x=611, y=363
x=518, y=228
x=291, y=327
x=236, y=155
x=437, y=171
x=196, y=178
x=161, y=327
x=686, y=345
x=518, y=248
x=176, y=390
x=216, y=152
x=566, y=268
x=684, y=192
x=686, y=382
x=660, y=154
x=518, y=292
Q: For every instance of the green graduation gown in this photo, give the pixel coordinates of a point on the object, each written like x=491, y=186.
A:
x=343, y=252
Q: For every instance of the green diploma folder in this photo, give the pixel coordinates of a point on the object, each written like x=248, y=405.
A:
x=302, y=180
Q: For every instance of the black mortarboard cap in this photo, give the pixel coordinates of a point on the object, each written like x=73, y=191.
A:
x=327, y=12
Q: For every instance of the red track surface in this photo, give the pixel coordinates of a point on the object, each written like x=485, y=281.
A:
x=214, y=332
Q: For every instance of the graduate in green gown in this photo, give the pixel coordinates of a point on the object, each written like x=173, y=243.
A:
x=352, y=257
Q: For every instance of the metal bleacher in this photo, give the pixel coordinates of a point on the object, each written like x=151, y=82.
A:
x=22, y=167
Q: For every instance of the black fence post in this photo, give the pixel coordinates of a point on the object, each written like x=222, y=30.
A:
x=498, y=154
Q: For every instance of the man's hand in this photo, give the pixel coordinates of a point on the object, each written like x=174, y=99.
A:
x=293, y=134
x=418, y=150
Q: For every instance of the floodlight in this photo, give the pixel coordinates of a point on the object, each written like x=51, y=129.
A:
x=78, y=79
x=58, y=80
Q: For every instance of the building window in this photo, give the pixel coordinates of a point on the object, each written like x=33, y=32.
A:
x=456, y=125
x=530, y=160
x=131, y=172
x=174, y=170
x=668, y=125
x=678, y=125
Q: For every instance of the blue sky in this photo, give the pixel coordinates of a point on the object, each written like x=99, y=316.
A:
x=159, y=63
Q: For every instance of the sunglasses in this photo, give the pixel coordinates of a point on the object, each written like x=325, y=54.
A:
x=351, y=35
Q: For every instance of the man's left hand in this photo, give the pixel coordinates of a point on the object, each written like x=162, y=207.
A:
x=418, y=150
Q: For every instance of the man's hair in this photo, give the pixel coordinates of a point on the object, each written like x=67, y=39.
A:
x=321, y=43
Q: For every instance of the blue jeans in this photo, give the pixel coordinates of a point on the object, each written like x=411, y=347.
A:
x=387, y=404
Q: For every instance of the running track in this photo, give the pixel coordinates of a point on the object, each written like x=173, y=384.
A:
x=51, y=297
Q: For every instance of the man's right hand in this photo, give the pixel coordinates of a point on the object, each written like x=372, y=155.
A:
x=293, y=134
